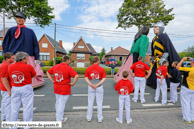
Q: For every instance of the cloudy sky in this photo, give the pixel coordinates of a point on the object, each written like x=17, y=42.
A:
x=74, y=17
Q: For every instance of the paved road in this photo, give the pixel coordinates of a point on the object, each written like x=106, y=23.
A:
x=45, y=99
x=142, y=119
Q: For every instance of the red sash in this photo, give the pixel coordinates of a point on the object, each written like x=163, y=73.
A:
x=18, y=31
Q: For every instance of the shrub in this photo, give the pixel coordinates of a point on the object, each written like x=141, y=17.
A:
x=82, y=70
x=48, y=63
x=1, y=59
x=58, y=60
x=45, y=69
x=119, y=63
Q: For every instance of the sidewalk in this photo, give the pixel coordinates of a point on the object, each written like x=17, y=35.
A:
x=169, y=118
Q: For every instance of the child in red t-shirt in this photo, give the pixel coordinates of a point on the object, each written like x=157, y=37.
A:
x=161, y=74
x=139, y=78
x=62, y=85
x=124, y=88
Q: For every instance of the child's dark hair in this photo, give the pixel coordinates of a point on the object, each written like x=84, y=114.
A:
x=125, y=74
x=164, y=62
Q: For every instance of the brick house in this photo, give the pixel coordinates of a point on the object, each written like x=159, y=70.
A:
x=46, y=45
x=119, y=53
x=81, y=52
x=1, y=40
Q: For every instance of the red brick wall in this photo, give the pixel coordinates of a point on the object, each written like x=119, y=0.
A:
x=50, y=48
x=1, y=49
x=74, y=57
x=81, y=43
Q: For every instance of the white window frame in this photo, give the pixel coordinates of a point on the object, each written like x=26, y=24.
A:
x=81, y=46
x=1, y=53
x=81, y=56
x=44, y=45
x=44, y=56
x=1, y=41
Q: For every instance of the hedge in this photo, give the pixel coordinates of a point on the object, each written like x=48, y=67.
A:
x=1, y=59
x=82, y=70
x=48, y=63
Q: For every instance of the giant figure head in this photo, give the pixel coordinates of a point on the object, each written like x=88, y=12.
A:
x=159, y=28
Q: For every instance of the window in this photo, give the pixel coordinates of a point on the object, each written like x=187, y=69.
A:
x=80, y=46
x=44, y=56
x=0, y=42
x=1, y=53
x=80, y=56
x=44, y=45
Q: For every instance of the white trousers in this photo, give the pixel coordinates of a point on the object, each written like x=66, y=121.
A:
x=92, y=94
x=187, y=103
x=124, y=100
x=61, y=101
x=22, y=95
x=5, y=106
x=140, y=83
x=163, y=89
x=173, y=92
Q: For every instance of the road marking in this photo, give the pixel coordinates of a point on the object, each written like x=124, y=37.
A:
x=39, y=95
x=139, y=94
x=156, y=104
x=79, y=95
x=86, y=107
x=85, y=95
x=21, y=109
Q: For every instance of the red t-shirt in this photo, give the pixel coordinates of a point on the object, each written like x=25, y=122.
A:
x=140, y=68
x=3, y=74
x=124, y=87
x=162, y=70
x=95, y=72
x=21, y=74
x=62, y=77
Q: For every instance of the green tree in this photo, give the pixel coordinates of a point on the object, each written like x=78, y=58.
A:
x=38, y=10
x=102, y=53
x=143, y=12
x=189, y=52
x=69, y=54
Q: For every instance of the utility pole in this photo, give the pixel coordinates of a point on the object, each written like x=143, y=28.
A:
x=55, y=45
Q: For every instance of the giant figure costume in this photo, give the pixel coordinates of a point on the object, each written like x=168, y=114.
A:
x=21, y=38
x=139, y=48
x=162, y=49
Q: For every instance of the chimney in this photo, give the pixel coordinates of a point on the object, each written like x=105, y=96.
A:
x=111, y=48
x=73, y=44
x=60, y=43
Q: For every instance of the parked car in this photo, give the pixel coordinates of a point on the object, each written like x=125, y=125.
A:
x=186, y=64
x=109, y=61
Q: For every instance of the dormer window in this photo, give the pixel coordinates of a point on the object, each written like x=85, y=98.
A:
x=80, y=46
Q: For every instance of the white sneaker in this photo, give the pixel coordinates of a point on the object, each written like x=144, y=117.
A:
x=117, y=119
x=100, y=121
x=129, y=121
x=143, y=101
x=65, y=119
x=88, y=120
x=134, y=100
